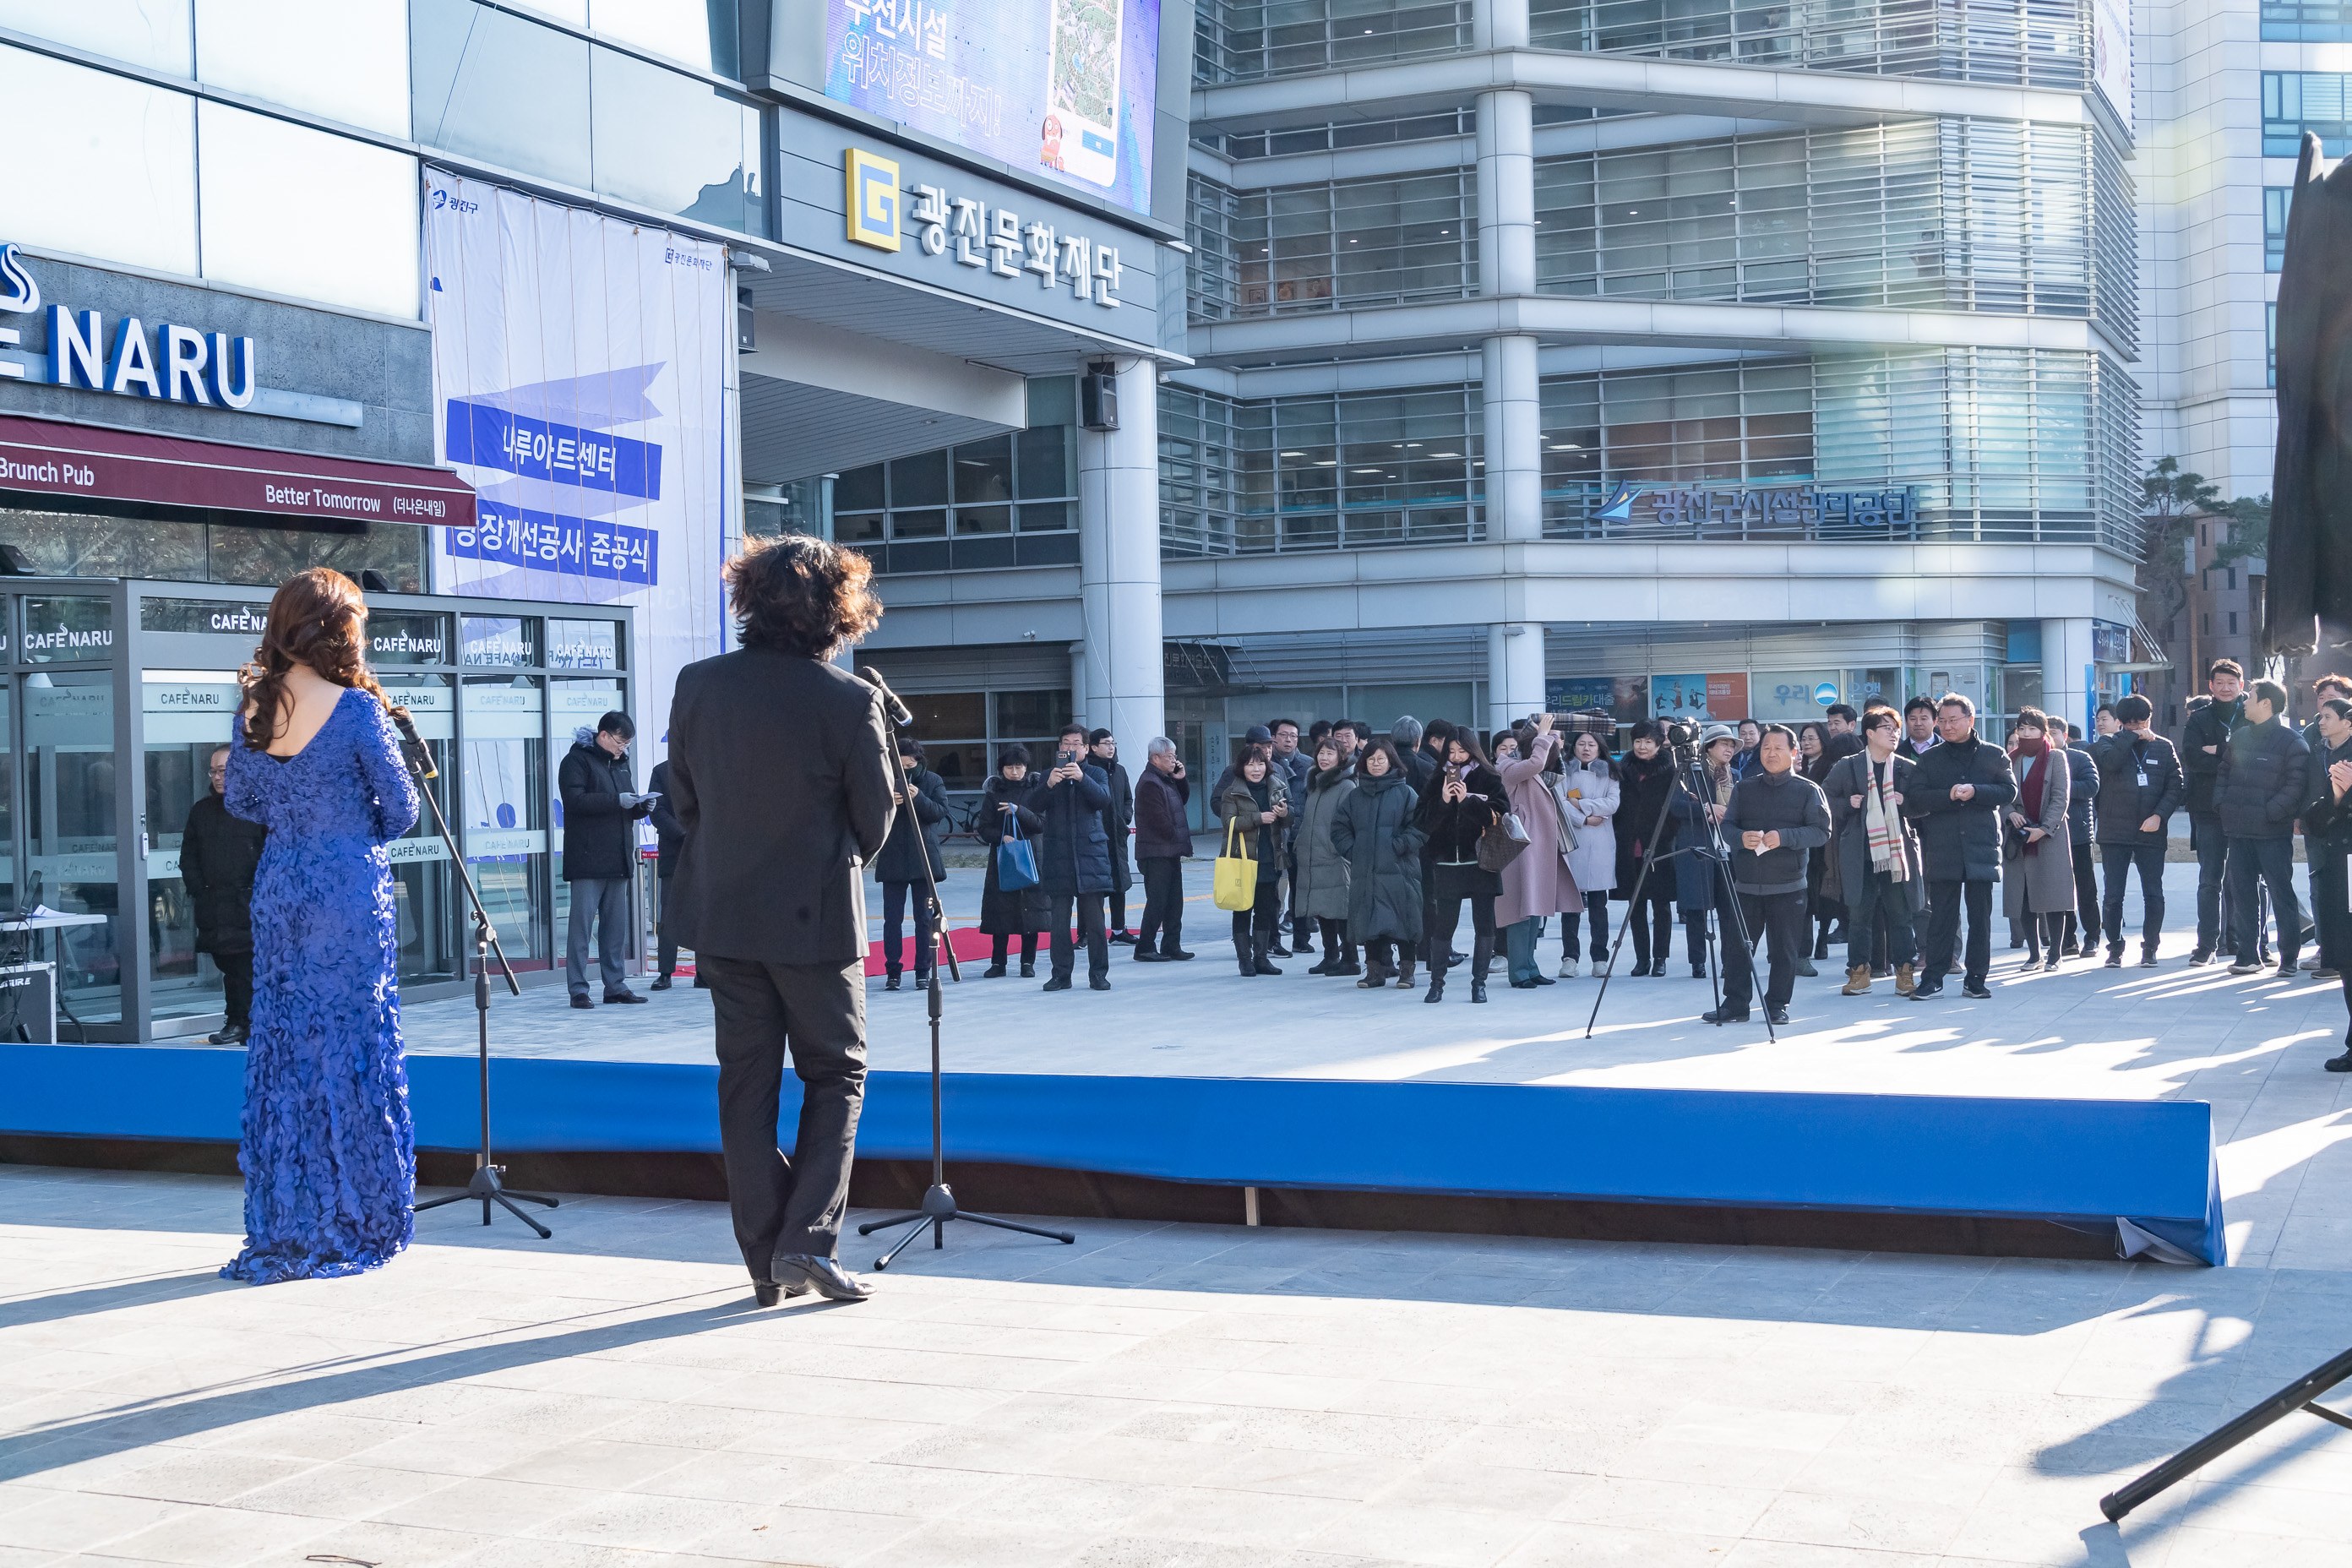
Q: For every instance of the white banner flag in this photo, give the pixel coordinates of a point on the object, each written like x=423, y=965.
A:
x=579, y=367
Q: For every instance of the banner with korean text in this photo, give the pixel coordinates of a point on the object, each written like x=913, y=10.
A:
x=579, y=384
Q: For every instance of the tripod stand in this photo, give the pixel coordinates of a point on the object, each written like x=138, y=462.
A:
x=939, y=1199
x=486, y=1183
x=1718, y=855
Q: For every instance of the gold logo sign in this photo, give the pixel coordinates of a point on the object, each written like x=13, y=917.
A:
x=873, y=199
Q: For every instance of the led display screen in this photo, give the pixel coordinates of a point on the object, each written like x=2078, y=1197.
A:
x=1062, y=89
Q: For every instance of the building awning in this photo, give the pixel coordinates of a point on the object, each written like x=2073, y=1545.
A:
x=47, y=457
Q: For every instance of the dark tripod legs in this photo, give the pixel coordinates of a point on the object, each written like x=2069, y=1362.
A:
x=939, y=1207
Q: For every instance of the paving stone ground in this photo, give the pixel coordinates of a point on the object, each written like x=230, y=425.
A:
x=1157, y=1395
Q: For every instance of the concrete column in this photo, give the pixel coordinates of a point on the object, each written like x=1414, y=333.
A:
x=1515, y=672
x=1122, y=688
x=1499, y=24
x=2066, y=670
x=1079, y=711
x=1512, y=398
x=1511, y=411
x=1506, y=194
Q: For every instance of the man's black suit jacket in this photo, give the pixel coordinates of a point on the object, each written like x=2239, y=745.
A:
x=779, y=776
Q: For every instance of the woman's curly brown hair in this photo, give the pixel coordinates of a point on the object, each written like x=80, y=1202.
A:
x=313, y=620
x=802, y=594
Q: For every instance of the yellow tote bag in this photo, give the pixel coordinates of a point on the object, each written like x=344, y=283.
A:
x=1236, y=884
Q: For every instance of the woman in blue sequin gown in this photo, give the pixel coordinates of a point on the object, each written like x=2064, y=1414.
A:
x=328, y=1151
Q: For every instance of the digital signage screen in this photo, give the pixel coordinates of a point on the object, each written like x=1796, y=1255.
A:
x=1062, y=89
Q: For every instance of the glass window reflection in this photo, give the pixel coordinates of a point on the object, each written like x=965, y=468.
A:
x=676, y=145
x=698, y=33
x=504, y=821
x=495, y=87
x=69, y=790
x=150, y=33
x=186, y=716
x=351, y=239
x=348, y=61
x=112, y=169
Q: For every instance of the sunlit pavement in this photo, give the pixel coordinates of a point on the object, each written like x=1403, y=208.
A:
x=1157, y=1394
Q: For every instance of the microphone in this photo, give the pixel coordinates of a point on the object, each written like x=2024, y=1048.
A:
x=418, y=756
x=891, y=703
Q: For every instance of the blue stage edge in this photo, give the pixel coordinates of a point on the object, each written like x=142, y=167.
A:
x=2083, y=1162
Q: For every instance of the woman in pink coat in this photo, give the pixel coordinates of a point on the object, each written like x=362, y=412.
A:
x=1536, y=886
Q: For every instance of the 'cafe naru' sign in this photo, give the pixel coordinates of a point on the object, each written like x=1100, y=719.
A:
x=176, y=363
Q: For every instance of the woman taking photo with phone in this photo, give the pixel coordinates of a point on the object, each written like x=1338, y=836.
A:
x=1461, y=798
x=327, y=1148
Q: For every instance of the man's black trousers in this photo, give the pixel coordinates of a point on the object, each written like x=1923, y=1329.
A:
x=2121, y=860
x=2272, y=862
x=1088, y=908
x=1943, y=900
x=1785, y=922
x=817, y=1014
x=1163, y=904
x=2086, y=895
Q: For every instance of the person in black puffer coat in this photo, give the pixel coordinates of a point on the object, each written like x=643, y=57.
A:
x=1645, y=833
x=1377, y=831
x=601, y=809
x=1009, y=912
x=2262, y=787
x=1959, y=842
x=900, y=867
x=2140, y=786
x=1074, y=856
x=2204, y=736
x=219, y=853
x=1118, y=825
x=670, y=835
x=1461, y=799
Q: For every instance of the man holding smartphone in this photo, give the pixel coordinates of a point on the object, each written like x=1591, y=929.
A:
x=1074, y=856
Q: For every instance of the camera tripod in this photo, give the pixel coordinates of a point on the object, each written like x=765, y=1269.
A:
x=1716, y=855
x=486, y=1185
x=938, y=1198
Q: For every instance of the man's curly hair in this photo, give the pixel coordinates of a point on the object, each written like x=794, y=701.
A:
x=802, y=594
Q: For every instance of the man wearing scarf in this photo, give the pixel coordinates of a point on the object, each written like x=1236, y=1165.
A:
x=1877, y=852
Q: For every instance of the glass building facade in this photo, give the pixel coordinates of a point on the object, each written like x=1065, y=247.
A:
x=118, y=690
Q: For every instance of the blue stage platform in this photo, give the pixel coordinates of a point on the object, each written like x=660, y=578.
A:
x=2083, y=1162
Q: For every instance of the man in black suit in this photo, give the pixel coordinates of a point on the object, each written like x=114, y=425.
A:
x=1957, y=790
x=780, y=777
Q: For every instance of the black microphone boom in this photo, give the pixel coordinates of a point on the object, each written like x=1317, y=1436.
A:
x=413, y=751
x=890, y=704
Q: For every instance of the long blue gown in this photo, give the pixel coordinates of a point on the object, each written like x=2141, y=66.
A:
x=327, y=1151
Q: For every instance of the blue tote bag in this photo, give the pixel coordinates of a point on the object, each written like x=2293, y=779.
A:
x=1016, y=861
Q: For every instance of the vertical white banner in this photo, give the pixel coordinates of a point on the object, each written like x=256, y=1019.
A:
x=579, y=366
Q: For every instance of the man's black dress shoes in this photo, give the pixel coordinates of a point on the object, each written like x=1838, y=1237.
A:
x=797, y=1271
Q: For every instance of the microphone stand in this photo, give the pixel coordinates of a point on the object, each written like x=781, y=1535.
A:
x=939, y=1199
x=485, y=1184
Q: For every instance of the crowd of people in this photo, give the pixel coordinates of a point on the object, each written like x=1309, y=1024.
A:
x=1887, y=831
